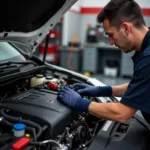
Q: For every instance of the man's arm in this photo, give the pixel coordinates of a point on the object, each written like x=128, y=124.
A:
x=111, y=111
x=119, y=90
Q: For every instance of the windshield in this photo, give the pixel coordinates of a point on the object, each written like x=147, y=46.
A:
x=8, y=52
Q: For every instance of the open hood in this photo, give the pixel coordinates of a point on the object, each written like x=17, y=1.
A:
x=28, y=22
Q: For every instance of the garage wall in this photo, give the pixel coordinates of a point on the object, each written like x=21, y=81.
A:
x=84, y=12
x=93, y=3
x=99, y=3
x=85, y=20
x=71, y=23
x=91, y=19
x=71, y=26
x=90, y=9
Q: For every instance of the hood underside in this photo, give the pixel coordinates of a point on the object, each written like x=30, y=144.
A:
x=28, y=22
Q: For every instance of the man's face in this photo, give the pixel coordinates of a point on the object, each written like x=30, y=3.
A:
x=118, y=37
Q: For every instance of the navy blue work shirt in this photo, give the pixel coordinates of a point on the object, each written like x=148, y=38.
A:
x=137, y=95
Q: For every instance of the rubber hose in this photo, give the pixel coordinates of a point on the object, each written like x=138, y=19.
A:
x=27, y=128
x=27, y=122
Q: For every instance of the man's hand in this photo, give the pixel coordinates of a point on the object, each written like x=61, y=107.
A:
x=88, y=90
x=79, y=86
x=73, y=99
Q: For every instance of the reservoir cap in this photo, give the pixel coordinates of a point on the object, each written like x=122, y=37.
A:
x=18, y=126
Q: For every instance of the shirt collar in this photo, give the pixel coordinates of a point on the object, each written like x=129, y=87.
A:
x=146, y=41
x=145, y=44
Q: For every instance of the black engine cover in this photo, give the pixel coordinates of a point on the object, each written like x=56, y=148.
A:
x=42, y=104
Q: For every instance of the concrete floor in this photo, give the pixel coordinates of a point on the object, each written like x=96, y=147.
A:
x=111, y=80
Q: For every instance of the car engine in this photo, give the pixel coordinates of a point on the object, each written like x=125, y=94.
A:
x=31, y=116
x=31, y=99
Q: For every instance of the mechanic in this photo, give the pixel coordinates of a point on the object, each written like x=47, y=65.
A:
x=124, y=24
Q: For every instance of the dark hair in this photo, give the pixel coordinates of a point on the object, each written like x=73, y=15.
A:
x=117, y=11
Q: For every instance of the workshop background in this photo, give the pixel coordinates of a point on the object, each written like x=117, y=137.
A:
x=79, y=43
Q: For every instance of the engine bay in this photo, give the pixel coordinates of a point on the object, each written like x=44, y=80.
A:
x=30, y=98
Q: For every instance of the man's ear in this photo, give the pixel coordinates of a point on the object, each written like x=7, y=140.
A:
x=126, y=27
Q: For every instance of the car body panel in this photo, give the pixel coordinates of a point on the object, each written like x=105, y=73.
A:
x=31, y=30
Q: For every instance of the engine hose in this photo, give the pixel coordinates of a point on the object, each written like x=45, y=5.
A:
x=7, y=123
x=33, y=132
x=27, y=122
x=27, y=128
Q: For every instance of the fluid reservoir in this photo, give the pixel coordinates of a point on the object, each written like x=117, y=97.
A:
x=19, y=129
x=39, y=79
x=51, y=79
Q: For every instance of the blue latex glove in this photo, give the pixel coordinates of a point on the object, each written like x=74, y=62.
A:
x=73, y=99
x=78, y=86
x=88, y=90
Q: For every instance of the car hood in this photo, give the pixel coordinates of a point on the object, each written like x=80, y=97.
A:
x=28, y=22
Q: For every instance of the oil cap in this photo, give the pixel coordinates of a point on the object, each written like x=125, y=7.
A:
x=19, y=129
x=39, y=76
